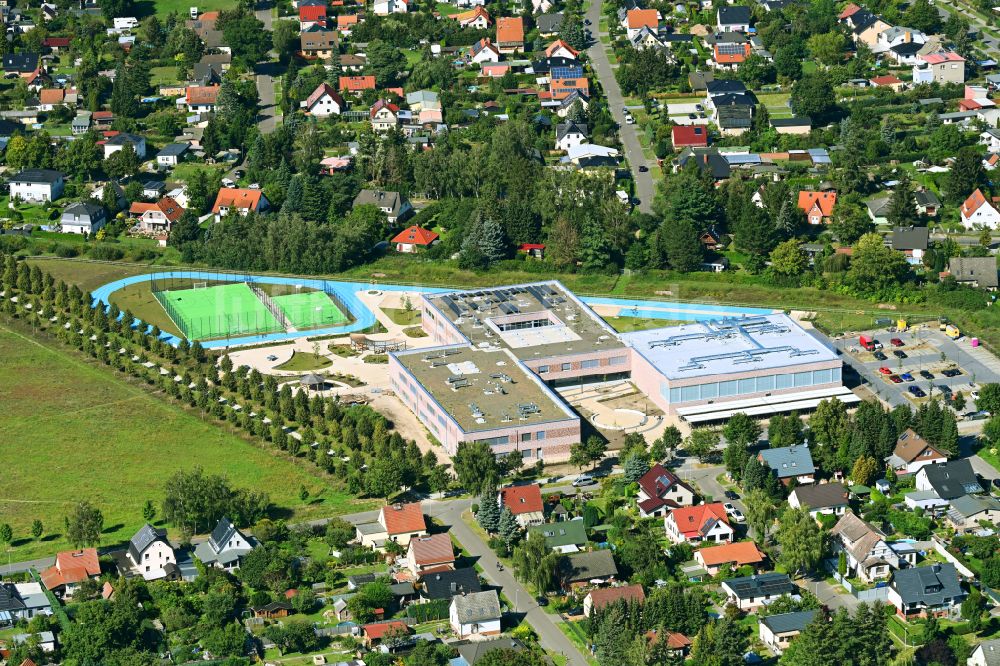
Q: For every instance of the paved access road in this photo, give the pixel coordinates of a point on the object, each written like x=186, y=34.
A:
x=266, y=118
x=629, y=133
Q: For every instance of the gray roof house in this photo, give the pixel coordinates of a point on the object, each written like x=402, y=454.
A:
x=878, y=208
x=949, y=480
x=477, y=607
x=923, y=591
x=585, y=567
x=967, y=511
x=927, y=202
x=978, y=271
x=790, y=462
x=393, y=204
x=548, y=24
x=908, y=239
x=82, y=218
x=446, y=584
x=473, y=651
x=225, y=546
x=565, y=536
x=777, y=631
x=986, y=653
x=752, y=592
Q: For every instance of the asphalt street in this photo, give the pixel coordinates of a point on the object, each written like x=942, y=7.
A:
x=266, y=118
x=616, y=102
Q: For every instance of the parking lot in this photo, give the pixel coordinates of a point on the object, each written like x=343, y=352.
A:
x=913, y=365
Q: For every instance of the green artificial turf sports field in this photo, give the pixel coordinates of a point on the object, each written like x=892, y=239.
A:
x=222, y=311
x=310, y=309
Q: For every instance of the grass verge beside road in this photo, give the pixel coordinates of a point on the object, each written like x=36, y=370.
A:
x=73, y=431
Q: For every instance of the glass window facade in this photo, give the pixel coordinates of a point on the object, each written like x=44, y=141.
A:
x=751, y=385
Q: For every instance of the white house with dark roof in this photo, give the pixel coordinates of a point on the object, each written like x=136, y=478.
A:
x=926, y=591
x=752, y=592
x=660, y=490
x=570, y=134
x=820, y=499
x=777, y=631
x=869, y=556
x=37, y=185
x=82, y=218
x=151, y=555
x=226, y=546
x=475, y=614
x=912, y=453
x=119, y=141
x=986, y=653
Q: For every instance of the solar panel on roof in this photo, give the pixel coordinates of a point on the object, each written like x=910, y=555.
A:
x=730, y=49
x=567, y=72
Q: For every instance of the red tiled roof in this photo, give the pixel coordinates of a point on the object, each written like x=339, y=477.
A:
x=675, y=640
x=601, y=597
x=526, y=247
x=730, y=58
x=346, y=20
x=312, y=13
x=403, y=518
x=167, y=205
x=434, y=549
x=202, y=94
x=382, y=104
x=691, y=520
x=554, y=46
x=886, y=80
x=849, y=11
x=658, y=480
x=72, y=567
x=940, y=57
x=56, y=42
x=825, y=201
x=471, y=16
x=377, y=630
x=51, y=96
x=744, y=552
x=236, y=197
x=510, y=30
x=522, y=499
x=355, y=83
x=636, y=19
x=415, y=235
x=103, y=115
x=689, y=135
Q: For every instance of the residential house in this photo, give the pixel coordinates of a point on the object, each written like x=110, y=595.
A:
x=647, y=38
x=414, y=238
x=708, y=161
x=879, y=207
x=352, y=62
x=311, y=12
x=201, y=99
x=716, y=559
x=119, y=141
x=346, y=23
x=911, y=241
x=689, y=136
x=941, y=67
x=150, y=555
x=50, y=98
x=477, y=18
x=22, y=601
x=929, y=591
x=818, y=206
x=483, y=51
x=387, y=7
x=433, y=552
x=977, y=211
x=660, y=490
x=733, y=18
x=927, y=202
x=790, y=462
x=37, y=185
x=475, y=614
x=830, y=499
x=172, y=154
x=926, y=500
x=678, y=644
x=393, y=204
x=600, y=597
x=900, y=44
x=275, y=610
x=987, y=653
x=969, y=512
x=560, y=49
x=637, y=19
x=384, y=116
x=777, y=631
x=45, y=640
x=82, y=218
x=324, y=101
x=470, y=652
x=318, y=42
x=396, y=522
x=525, y=502
x=565, y=536
x=912, y=451
x=570, y=134
x=240, y=200
x=374, y=633
x=869, y=556
x=582, y=569
x=980, y=272
x=226, y=546
x=799, y=125
x=752, y=592
x=71, y=568
x=81, y=123
x=894, y=83
x=548, y=25
x=730, y=52
x=950, y=479
x=866, y=27
x=696, y=524
x=446, y=584
x=356, y=84
x=158, y=217
x=989, y=138
x=20, y=63
x=510, y=34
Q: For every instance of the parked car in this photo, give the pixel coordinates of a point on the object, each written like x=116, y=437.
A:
x=899, y=354
x=643, y=169
x=896, y=342
x=951, y=372
x=583, y=480
x=916, y=391
x=879, y=356
x=895, y=379
x=731, y=495
x=885, y=371
x=734, y=513
x=272, y=357
x=945, y=389
x=906, y=377
x=542, y=601
x=926, y=374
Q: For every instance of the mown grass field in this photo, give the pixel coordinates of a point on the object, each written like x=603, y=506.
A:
x=72, y=431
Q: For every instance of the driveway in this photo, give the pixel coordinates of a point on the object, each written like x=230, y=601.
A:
x=629, y=134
